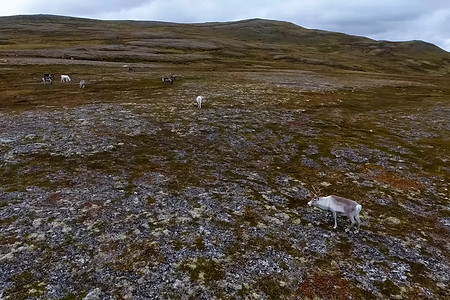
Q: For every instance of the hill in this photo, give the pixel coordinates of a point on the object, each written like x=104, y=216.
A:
x=249, y=42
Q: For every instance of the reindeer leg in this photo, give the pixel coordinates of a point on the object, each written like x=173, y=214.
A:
x=335, y=221
x=358, y=220
x=352, y=219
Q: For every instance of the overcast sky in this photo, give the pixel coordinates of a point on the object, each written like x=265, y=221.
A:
x=395, y=20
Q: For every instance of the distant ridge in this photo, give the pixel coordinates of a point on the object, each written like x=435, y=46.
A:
x=252, y=41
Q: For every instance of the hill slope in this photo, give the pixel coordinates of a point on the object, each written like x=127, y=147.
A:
x=254, y=41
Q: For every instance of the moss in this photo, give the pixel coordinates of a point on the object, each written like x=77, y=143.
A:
x=134, y=255
x=9, y=176
x=150, y=200
x=36, y=170
x=419, y=273
x=387, y=288
x=384, y=249
x=23, y=278
x=445, y=213
x=250, y=216
x=26, y=285
x=8, y=221
x=203, y=269
x=195, y=295
x=129, y=189
x=15, y=188
x=104, y=162
x=271, y=286
x=195, y=203
x=199, y=243
x=244, y=292
x=177, y=245
x=344, y=248
x=68, y=240
x=258, y=244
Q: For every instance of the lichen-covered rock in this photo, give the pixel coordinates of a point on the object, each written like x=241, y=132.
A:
x=93, y=295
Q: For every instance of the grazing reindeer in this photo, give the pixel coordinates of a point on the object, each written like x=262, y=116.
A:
x=65, y=78
x=82, y=84
x=48, y=78
x=341, y=205
x=169, y=80
x=199, y=101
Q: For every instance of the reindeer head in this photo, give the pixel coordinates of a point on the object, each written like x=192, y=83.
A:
x=315, y=195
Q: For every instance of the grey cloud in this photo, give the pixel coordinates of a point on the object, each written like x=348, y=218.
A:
x=83, y=8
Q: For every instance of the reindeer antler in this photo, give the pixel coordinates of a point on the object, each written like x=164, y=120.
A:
x=316, y=191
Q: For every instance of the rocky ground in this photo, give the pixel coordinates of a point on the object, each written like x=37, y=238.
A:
x=134, y=193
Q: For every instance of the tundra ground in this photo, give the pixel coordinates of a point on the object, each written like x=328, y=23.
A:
x=126, y=190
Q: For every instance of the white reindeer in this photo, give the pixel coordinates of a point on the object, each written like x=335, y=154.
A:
x=82, y=84
x=199, y=101
x=341, y=205
x=65, y=78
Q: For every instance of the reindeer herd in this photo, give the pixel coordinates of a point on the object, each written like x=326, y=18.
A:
x=48, y=79
x=335, y=204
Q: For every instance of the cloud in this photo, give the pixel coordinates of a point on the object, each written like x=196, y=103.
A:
x=68, y=8
x=188, y=11
x=427, y=27
x=382, y=19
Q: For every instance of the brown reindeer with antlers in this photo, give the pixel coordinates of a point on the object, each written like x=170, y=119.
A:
x=169, y=79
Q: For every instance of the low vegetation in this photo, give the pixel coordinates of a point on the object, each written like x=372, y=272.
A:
x=126, y=190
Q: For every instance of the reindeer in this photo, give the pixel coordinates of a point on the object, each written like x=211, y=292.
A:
x=169, y=79
x=49, y=76
x=47, y=79
x=65, y=78
x=199, y=101
x=340, y=205
x=82, y=84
